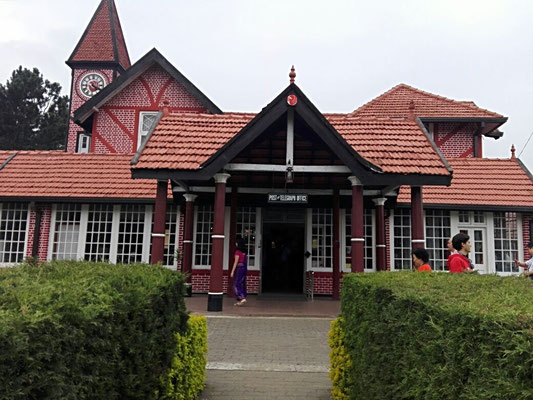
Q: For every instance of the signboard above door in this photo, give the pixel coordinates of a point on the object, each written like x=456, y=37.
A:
x=290, y=198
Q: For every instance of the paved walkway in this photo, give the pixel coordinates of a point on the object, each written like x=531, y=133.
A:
x=268, y=349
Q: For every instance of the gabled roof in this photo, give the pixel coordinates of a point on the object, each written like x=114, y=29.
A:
x=481, y=182
x=153, y=57
x=397, y=146
x=53, y=175
x=103, y=39
x=398, y=101
x=184, y=145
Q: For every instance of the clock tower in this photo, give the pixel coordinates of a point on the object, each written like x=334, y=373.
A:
x=99, y=57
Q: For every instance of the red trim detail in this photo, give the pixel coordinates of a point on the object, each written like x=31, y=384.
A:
x=163, y=90
x=467, y=153
x=148, y=90
x=480, y=147
x=120, y=124
x=448, y=136
x=104, y=142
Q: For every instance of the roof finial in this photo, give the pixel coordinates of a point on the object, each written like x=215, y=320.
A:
x=292, y=75
x=165, y=107
x=411, y=110
x=512, y=152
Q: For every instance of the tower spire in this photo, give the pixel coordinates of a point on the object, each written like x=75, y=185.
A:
x=103, y=39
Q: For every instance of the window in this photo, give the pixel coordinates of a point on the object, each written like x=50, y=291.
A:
x=464, y=217
x=66, y=232
x=99, y=231
x=84, y=142
x=131, y=234
x=438, y=232
x=322, y=238
x=202, y=243
x=246, y=226
x=505, y=241
x=170, y=253
x=146, y=122
x=13, y=224
x=402, y=239
x=368, y=229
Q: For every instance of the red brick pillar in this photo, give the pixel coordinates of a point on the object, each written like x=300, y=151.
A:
x=160, y=213
x=417, y=218
x=214, y=298
x=336, y=246
x=232, y=238
x=358, y=238
x=187, y=235
x=381, y=248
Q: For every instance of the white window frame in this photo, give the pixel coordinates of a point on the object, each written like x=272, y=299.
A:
x=117, y=209
x=195, y=232
x=25, y=246
x=142, y=133
x=432, y=260
x=257, y=223
x=81, y=148
x=519, y=250
x=392, y=236
x=309, y=224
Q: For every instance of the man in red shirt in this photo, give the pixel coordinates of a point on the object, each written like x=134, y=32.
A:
x=459, y=261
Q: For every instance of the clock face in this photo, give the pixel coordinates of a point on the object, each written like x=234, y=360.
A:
x=91, y=84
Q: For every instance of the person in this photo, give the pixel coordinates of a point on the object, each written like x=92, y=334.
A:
x=421, y=259
x=528, y=265
x=450, y=247
x=239, y=270
x=459, y=262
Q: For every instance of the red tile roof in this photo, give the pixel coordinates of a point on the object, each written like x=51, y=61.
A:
x=396, y=101
x=186, y=141
x=396, y=146
x=102, y=36
x=480, y=181
x=55, y=174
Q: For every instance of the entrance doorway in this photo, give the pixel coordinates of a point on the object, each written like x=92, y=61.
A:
x=283, y=257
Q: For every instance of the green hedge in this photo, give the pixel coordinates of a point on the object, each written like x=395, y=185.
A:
x=186, y=377
x=434, y=336
x=78, y=330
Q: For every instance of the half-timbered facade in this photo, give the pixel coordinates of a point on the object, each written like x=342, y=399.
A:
x=155, y=172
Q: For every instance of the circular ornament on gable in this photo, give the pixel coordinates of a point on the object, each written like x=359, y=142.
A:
x=91, y=83
x=292, y=100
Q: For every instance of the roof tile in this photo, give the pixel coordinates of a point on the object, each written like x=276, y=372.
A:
x=60, y=174
x=396, y=101
x=480, y=181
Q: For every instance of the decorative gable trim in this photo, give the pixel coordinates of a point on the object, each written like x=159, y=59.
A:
x=82, y=115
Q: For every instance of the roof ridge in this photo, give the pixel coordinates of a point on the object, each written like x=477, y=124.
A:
x=470, y=105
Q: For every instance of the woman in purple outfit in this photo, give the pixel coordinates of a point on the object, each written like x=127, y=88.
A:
x=238, y=272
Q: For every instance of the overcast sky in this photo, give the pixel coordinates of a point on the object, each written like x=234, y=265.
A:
x=345, y=52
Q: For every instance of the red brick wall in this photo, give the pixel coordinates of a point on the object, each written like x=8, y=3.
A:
x=388, y=241
x=201, y=278
x=455, y=139
x=115, y=127
x=42, y=252
x=323, y=283
x=78, y=99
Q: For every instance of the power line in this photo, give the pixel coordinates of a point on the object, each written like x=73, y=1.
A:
x=528, y=139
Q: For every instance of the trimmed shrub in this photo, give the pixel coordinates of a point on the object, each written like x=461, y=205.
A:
x=340, y=362
x=80, y=330
x=437, y=336
x=186, y=377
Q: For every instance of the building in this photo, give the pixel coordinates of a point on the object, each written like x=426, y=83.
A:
x=155, y=172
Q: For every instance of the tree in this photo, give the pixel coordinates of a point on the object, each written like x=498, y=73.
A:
x=33, y=114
